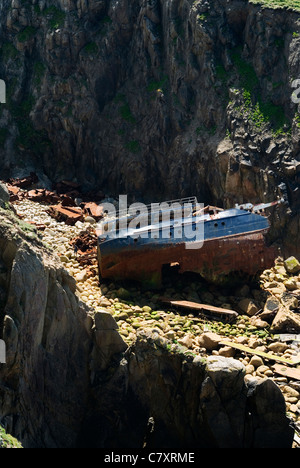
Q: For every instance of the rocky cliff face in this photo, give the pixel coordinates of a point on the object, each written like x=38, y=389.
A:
x=53, y=346
x=155, y=99
x=48, y=339
x=71, y=381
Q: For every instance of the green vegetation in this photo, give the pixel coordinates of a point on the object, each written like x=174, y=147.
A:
x=27, y=228
x=29, y=138
x=260, y=112
x=202, y=17
x=236, y=330
x=277, y=85
x=39, y=72
x=279, y=42
x=125, y=110
x=133, y=146
x=91, y=48
x=27, y=34
x=221, y=72
x=7, y=441
x=156, y=85
x=126, y=113
x=248, y=78
x=212, y=130
x=56, y=17
x=8, y=51
x=104, y=24
x=255, y=114
x=37, y=9
x=293, y=4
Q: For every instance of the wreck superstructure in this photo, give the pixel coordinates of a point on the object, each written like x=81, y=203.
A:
x=210, y=241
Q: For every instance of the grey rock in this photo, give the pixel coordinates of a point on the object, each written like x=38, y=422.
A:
x=4, y=195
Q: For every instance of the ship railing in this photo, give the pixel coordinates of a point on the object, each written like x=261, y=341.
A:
x=166, y=206
x=147, y=214
x=259, y=208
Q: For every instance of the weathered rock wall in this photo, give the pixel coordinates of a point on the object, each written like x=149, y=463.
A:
x=161, y=399
x=53, y=347
x=70, y=380
x=146, y=98
x=48, y=336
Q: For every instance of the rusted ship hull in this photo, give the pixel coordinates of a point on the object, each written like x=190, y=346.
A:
x=217, y=261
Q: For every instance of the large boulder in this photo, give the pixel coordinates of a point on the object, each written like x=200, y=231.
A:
x=209, y=340
x=109, y=341
x=266, y=405
x=203, y=403
x=248, y=306
x=292, y=265
x=286, y=321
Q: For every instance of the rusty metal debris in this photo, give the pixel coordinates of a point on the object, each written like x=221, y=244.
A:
x=24, y=182
x=14, y=192
x=85, y=247
x=94, y=210
x=66, y=214
x=63, y=201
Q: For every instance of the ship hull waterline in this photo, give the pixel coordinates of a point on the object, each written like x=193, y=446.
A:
x=217, y=261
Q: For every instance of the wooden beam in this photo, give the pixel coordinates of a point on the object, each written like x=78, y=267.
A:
x=289, y=337
x=256, y=352
x=204, y=308
x=286, y=371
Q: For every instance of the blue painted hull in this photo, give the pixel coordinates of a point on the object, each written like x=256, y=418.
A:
x=233, y=223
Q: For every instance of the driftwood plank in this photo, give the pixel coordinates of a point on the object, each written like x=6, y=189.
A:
x=287, y=372
x=201, y=308
x=256, y=352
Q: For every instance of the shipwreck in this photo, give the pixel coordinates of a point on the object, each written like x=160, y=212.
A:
x=215, y=243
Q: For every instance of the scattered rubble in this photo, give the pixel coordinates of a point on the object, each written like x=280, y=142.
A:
x=282, y=283
x=265, y=315
x=85, y=248
x=67, y=203
x=24, y=182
